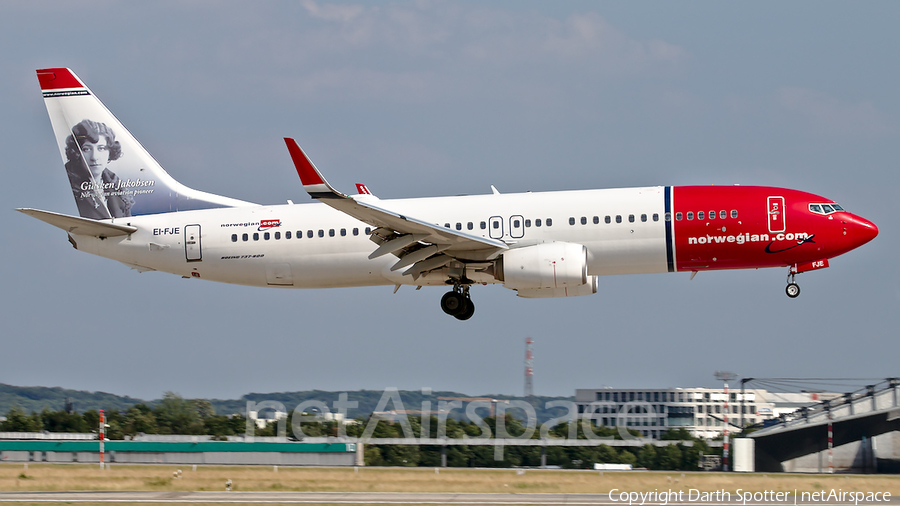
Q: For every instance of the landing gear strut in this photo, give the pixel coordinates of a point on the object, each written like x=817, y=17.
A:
x=457, y=303
x=792, y=289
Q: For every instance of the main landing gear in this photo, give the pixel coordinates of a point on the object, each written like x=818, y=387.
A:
x=457, y=303
x=792, y=289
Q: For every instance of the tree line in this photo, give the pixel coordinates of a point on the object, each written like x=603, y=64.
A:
x=172, y=415
x=175, y=415
x=676, y=456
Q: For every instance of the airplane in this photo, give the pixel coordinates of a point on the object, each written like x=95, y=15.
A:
x=540, y=244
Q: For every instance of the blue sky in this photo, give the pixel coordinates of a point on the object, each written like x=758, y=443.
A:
x=440, y=98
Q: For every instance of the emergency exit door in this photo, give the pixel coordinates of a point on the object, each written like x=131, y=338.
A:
x=776, y=214
x=192, y=243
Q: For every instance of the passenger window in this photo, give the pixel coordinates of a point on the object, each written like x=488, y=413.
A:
x=618, y=218
x=446, y=225
x=549, y=222
x=266, y=236
x=656, y=217
x=309, y=233
x=233, y=237
x=321, y=233
x=484, y=225
x=516, y=223
x=677, y=216
x=368, y=230
x=690, y=215
x=700, y=215
x=537, y=222
x=571, y=221
x=596, y=220
x=607, y=219
x=331, y=232
x=355, y=230
x=712, y=215
x=734, y=213
x=723, y=214
x=277, y=235
x=496, y=225
x=470, y=225
x=343, y=232
x=255, y=236
x=584, y=220
x=630, y=218
x=299, y=234
x=644, y=218
x=244, y=238
x=527, y=223
x=458, y=226
x=287, y=235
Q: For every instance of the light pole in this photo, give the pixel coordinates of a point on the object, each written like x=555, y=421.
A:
x=726, y=377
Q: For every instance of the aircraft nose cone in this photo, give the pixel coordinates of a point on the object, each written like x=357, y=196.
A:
x=863, y=230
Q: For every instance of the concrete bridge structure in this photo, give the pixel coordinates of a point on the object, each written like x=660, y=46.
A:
x=865, y=436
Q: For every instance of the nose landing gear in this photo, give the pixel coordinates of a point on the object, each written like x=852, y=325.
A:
x=457, y=303
x=792, y=289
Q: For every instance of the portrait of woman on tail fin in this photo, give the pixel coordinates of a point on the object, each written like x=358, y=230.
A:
x=97, y=189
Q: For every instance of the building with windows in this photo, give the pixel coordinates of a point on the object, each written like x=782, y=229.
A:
x=700, y=411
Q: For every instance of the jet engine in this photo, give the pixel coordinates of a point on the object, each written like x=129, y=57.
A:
x=557, y=269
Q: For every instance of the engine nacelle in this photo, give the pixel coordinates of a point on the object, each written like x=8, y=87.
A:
x=556, y=265
x=542, y=293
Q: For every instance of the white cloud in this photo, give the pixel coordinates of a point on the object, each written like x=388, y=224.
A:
x=588, y=36
x=452, y=37
x=332, y=12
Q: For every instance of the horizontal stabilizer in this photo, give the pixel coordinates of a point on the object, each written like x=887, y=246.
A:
x=80, y=226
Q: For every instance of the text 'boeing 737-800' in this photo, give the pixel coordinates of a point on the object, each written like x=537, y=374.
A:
x=540, y=244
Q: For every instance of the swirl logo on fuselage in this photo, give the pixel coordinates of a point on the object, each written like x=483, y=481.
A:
x=267, y=224
x=799, y=243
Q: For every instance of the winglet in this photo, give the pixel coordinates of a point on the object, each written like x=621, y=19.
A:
x=313, y=182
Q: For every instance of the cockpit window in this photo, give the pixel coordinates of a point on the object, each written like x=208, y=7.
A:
x=825, y=208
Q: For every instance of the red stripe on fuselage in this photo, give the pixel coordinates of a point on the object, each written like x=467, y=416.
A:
x=755, y=237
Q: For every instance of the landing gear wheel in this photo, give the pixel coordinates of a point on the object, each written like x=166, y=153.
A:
x=468, y=311
x=453, y=303
x=792, y=290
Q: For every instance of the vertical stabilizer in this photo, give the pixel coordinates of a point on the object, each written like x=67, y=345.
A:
x=111, y=174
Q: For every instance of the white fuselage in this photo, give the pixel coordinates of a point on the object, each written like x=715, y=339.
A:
x=337, y=253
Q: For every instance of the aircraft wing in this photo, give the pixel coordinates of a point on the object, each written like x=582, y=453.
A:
x=81, y=226
x=396, y=232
